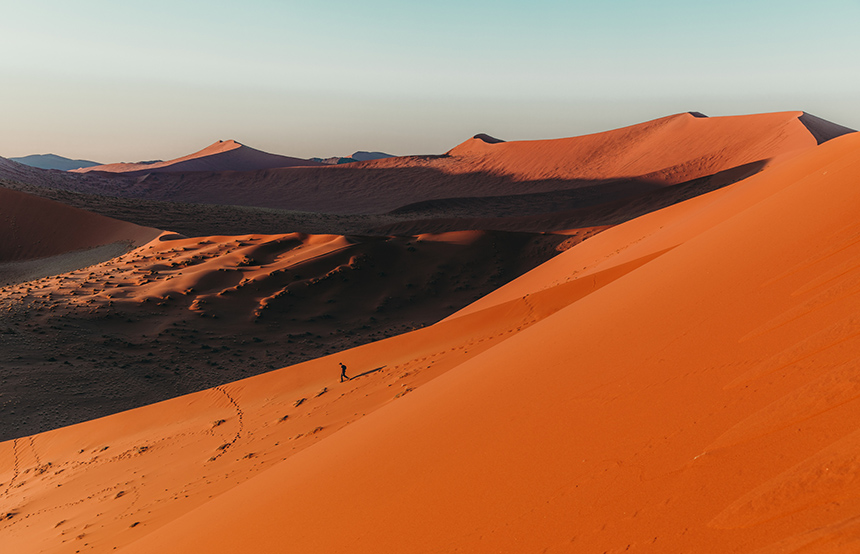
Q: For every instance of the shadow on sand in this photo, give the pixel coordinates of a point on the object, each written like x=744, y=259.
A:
x=368, y=372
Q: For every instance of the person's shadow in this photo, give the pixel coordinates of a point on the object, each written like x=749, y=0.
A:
x=367, y=373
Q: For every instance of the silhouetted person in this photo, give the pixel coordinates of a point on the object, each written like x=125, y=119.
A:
x=343, y=376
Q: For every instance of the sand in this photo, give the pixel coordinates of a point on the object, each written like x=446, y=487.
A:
x=682, y=382
x=703, y=400
x=179, y=315
x=635, y=159
x=604, y=168
x=223, y=155
x=54, y=238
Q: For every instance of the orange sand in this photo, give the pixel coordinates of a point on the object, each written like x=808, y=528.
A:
x=613, y=165
x=683, y=382
x=220, y=156
x=185, y=314
x=33, y=227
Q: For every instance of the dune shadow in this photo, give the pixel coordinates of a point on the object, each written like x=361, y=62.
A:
x=607, y=203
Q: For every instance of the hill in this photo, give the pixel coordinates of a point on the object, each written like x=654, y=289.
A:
x=685, y=381
x=607, y=166
x=220, y=156
x=42, y=237
x=52, y=161
x=526, y=186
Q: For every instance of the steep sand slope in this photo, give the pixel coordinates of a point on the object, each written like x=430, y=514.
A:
x=669, y=150
x=689, y=383
x=41, y=237
x=706, y=401
x=219, y=156
x=34, y=227
x=86, y=487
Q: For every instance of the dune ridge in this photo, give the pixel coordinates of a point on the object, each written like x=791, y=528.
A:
x=668, y=150
x=223, y=155
x=682, y=381
x=659, y=153
x=572, y=433
x=637, y=393
x=663, y=152
x=179, y=314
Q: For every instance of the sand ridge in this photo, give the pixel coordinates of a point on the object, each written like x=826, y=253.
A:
x=684, y=381
x=607, y=167
x=659, y=153
x=184, y=314
x=613, y=459
x=218, y=156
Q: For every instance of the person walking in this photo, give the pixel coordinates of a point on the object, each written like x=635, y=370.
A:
x=343, y=375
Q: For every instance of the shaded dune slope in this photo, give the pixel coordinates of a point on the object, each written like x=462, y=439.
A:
x=34, y=227
x=183, y=314
x=686, y=381
x=598, y=205
x=662, y=152
x=705, y=400
x=631, y=161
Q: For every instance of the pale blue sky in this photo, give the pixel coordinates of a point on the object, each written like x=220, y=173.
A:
x=119, y=80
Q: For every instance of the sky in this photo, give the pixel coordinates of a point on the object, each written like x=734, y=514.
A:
x=115, y=80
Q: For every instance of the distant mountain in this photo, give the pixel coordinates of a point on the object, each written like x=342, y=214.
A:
x=363, y=156
x=360, y=156
x=220, y=156
x=334, y=160
x=52, y=161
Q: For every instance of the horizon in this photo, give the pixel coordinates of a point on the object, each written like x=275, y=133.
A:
x=110, y=83
x=241, y=143
x=631, y=327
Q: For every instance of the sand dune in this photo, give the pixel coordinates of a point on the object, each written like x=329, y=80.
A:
x=662, y=152
x=703, y=398
x=220, y=156
x=184, y=314
x=685, y=381
x=634, y=160
x=55, y=238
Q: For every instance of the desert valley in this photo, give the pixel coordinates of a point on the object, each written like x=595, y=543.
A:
x=640, y=340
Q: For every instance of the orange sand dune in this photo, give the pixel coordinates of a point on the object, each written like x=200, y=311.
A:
x=705, y=400
x=686, y=381
x=179, y=315
x=33, y=227
x=613, y=165
x=666, y=151
x=220, y=156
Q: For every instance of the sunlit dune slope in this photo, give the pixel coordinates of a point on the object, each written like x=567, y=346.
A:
x=686, y=381
x=532, y=186
x=603, y=167
x=706, y=400
x=219, y=156
x=58, y=490
x=664, y=151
